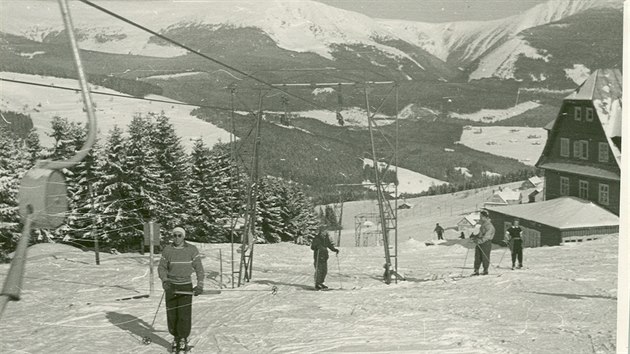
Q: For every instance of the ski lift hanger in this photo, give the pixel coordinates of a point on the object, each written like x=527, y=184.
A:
x=43, y=196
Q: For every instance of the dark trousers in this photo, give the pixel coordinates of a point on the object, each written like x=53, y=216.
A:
x=321, y=269
x=179, y=310
x=517, y=251
x=440, y=236
x=482, y=255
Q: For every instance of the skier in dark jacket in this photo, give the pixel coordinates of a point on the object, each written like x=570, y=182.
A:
x=320, y=245
x=515, y=241
x=177, y=264
x=439, y=230
x=483, y=242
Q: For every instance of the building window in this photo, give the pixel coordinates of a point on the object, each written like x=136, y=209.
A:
x=580, y=149
x=603, y=194
x=577, y=113
x=564, y=147
x=603, y=152
x=589, y=114
x=583, y=192
x=564, y=186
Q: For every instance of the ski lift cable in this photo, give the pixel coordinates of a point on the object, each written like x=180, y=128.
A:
x=114, y=94
x=191, y=50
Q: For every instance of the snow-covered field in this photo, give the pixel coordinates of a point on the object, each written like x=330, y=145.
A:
x=354, y=117
x=409, y=182
x=563, y=301
x=43, y=103
x=521, y=143
x=496, y=115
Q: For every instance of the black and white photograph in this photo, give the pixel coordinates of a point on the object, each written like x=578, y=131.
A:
x=314, y=176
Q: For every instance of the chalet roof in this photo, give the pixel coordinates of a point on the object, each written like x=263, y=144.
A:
x=472, y=219
x=506, y=194
x=561, y=213
x=580, y=170
x=535, y=180
x=604, y=88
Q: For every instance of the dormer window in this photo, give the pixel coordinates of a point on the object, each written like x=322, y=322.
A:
x=577, y=113
x=589, y=114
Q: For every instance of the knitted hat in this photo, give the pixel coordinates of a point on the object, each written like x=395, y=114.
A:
x=179, y=230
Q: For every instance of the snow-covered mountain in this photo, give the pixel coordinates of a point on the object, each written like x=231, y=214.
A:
x=302, y=26
x=495, y=44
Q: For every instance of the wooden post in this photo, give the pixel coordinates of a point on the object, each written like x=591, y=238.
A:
x=151, y=258
x=93, y=231
x=220, y=270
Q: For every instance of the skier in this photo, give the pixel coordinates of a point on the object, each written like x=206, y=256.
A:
x=320, y=245
x=177, y=264
x=514, y=239
x=439, y=230
x=483, y=241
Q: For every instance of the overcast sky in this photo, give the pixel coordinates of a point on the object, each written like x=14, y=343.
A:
x=436, y=10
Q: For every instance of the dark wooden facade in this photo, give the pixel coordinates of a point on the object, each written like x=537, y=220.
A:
x=536, y=234
x=580, y=157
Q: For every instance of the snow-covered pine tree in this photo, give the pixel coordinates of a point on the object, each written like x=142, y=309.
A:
x=303, y=222
x=115, y=199
x=14, y=162
x=33, y=146
x=142, y=170
x=173, y=168
x=269, y=211
x=215, y=194
x=84, y=175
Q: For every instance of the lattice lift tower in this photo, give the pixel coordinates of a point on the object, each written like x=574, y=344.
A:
x=387, y=214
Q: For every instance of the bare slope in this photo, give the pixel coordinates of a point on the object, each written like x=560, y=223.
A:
x=563, y=302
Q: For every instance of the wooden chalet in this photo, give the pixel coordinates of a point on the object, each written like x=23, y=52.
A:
x=582, y=155
x=554, y=222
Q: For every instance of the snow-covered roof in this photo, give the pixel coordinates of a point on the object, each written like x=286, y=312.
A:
x=535, y=180
x=562, y=213
x=604, y=88
x=580, y=170
x=506, y=194
x=472, y=219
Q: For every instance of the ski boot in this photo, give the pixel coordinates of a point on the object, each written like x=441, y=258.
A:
x=182, y=346
x=174, y=345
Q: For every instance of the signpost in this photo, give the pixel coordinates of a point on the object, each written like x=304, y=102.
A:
x=151, y=235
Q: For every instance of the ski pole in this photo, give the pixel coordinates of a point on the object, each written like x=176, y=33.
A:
x=465, y=259
x=158, y=309
x=316, y=267
x=504, y=252
x=339, y=269
x=146, y=340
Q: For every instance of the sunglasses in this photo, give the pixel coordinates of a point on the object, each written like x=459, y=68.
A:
x=178, y=235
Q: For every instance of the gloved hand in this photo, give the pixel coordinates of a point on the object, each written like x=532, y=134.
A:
x=336, y=251
x=166, y=285
x=198, y=290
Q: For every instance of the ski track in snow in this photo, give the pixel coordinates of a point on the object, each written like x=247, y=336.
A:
x=549, y=307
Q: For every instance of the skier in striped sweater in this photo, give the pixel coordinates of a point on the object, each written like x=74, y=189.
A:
x=177, y=264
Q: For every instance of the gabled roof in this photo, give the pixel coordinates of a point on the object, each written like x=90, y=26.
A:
x=505, y=195
x=604, y=88
x=561, y=213
x=472, y=219
x=535, y=180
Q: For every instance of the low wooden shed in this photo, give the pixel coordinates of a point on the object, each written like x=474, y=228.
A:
x=555, y=221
